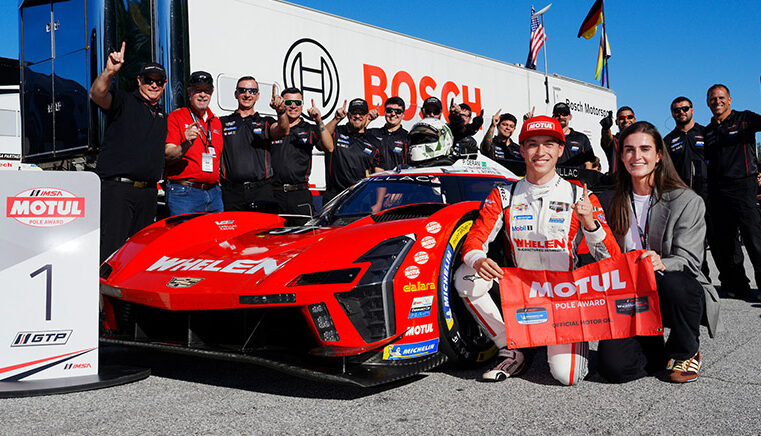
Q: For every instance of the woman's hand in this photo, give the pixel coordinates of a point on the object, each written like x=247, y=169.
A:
x=655, y=258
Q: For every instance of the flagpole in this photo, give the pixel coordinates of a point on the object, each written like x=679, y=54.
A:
x=546, y=82
x=606, y=67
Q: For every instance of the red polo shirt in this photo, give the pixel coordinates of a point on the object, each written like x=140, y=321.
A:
x=189, y=166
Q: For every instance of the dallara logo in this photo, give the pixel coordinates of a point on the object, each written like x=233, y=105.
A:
x=309, y=67
x=183, y=282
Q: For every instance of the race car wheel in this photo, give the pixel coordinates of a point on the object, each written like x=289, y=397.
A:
x=461, y=338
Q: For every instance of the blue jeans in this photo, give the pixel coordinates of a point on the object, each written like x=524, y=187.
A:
x=185, y=199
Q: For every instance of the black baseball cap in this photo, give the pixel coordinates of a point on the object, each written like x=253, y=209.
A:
x=152, y=68
x=358, y=105
x=201, y=78
x=561, y=108
x=432, y=105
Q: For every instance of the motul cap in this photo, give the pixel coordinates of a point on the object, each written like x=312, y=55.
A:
x=539, y=126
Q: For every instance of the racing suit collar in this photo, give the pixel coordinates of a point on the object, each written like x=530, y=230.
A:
x=536, y=192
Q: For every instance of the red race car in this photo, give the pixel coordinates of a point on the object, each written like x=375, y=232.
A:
x=362, y=293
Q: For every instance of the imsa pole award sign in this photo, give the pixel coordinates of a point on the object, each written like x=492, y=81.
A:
x=49, y=239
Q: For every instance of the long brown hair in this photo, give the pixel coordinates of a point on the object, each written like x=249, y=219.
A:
x=664, y=175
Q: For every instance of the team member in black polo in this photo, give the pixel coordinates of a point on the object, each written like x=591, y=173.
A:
x=292, y=155
x=686, y=146
x=393, y=138
x=355, y=154
x=131, y=159
x=501, y=147
x=624, y=118
x=578, y=150
x=246, y=167
x=730, y=151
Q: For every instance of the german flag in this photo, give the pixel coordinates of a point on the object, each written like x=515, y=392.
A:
x=594, y=18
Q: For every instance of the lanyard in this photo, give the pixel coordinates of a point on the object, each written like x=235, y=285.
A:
x=206, y=131
x=643, y=234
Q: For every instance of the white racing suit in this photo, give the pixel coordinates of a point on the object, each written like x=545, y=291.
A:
x=544, y=234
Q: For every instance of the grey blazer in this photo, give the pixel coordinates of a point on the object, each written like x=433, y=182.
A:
x=677, y=233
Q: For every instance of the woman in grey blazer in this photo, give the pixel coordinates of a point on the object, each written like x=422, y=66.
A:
x=652, y=209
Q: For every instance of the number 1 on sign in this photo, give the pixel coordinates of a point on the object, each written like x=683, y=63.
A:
x=48, y=287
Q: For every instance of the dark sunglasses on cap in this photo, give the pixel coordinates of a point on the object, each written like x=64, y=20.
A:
x=150, y=81
x=358, y=112
x=625, y=117
x=394, y=111
x=684, y=109
x=252, y=91
x=296, y=103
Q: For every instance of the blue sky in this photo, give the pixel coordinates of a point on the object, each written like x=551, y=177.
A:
x=660, y=49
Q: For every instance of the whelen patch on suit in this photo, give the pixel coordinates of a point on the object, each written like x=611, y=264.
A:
x=183, y=282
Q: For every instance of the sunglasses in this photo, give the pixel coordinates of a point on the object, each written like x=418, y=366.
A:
x=149, y=81
x=252, y=91
x=296, y=103
x=360, y=113
x=394, y=111
x=684, y=109
x=626, y=117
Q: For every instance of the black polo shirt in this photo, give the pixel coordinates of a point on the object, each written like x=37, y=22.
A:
x=394, y=146
x=505, y=149
x=730, y=147
x=135, y=138
x=577, y=150
x=353, y=157
x=687, y=152
x=292, y=155
x=246, y=155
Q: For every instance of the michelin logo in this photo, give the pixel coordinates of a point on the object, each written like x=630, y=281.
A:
x=409, y=351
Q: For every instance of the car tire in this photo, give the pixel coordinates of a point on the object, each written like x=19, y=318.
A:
x=461, y=338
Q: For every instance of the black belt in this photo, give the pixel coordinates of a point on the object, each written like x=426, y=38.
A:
x=135, y=183
x=204, y=186
x=291, y=188
x=246, y=185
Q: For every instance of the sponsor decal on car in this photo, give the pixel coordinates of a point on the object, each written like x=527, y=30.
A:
x=421, y=257
x=409, y=351
x=531, y=315
x=428, y=242
x=183, y=282
x=433, y=227
x=45, y=207
x=45, y=337
x=416, y=330
x=242, y=266
x=412, y=272
x=458, y=234
x=421, y=307
x=226, y=225
x=419, y=286
x=69, y=366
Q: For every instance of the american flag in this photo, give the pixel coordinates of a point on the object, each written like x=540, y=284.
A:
x=537, y=40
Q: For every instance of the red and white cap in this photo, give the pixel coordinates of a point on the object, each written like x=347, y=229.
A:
x=541, y=125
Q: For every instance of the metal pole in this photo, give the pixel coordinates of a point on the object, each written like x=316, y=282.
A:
x=605, y=65
x=546, y=82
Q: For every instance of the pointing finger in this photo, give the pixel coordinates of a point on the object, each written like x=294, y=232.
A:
x=586, y=193
x=532, y=110
x=274, y=91
x=121, y=51
x=498, y=112
x=313, y=103
x=344, y=108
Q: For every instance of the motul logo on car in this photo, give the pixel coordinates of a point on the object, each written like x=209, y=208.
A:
x=428, y=242
x=421, y=257
x=599, y=283
x=243, y=266
x=530, y=243
x=45, y=207
x=540, y=125
x=419, y=329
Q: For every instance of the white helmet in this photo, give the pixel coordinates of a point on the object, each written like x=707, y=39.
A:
x=430, y=139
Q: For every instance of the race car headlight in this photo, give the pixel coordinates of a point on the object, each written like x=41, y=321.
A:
x=336, y=276
x=323, y=322
x=105, y=271
x=370, y=305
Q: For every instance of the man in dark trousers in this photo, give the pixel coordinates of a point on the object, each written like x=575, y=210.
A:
x=730, y=151
x=131, y=159
x=394, y=143
x=247, y=169
x=355, y=154
x=292, y=155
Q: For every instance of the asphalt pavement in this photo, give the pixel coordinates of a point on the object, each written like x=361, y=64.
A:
x=191, y=395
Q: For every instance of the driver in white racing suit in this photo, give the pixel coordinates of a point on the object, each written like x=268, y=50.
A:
x=545, y=218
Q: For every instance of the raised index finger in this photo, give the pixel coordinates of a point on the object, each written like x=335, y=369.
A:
x=312, y=102
x=274, y=91
x=586, y=193
x=121, y=51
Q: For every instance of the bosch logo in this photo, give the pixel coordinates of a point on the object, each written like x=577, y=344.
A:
x=309, y=67
x=45, y=207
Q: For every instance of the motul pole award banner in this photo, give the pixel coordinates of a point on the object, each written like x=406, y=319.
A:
x=611, y=299
x=49, y=238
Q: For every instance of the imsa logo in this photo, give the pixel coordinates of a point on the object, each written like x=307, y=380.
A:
x=49, y=337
